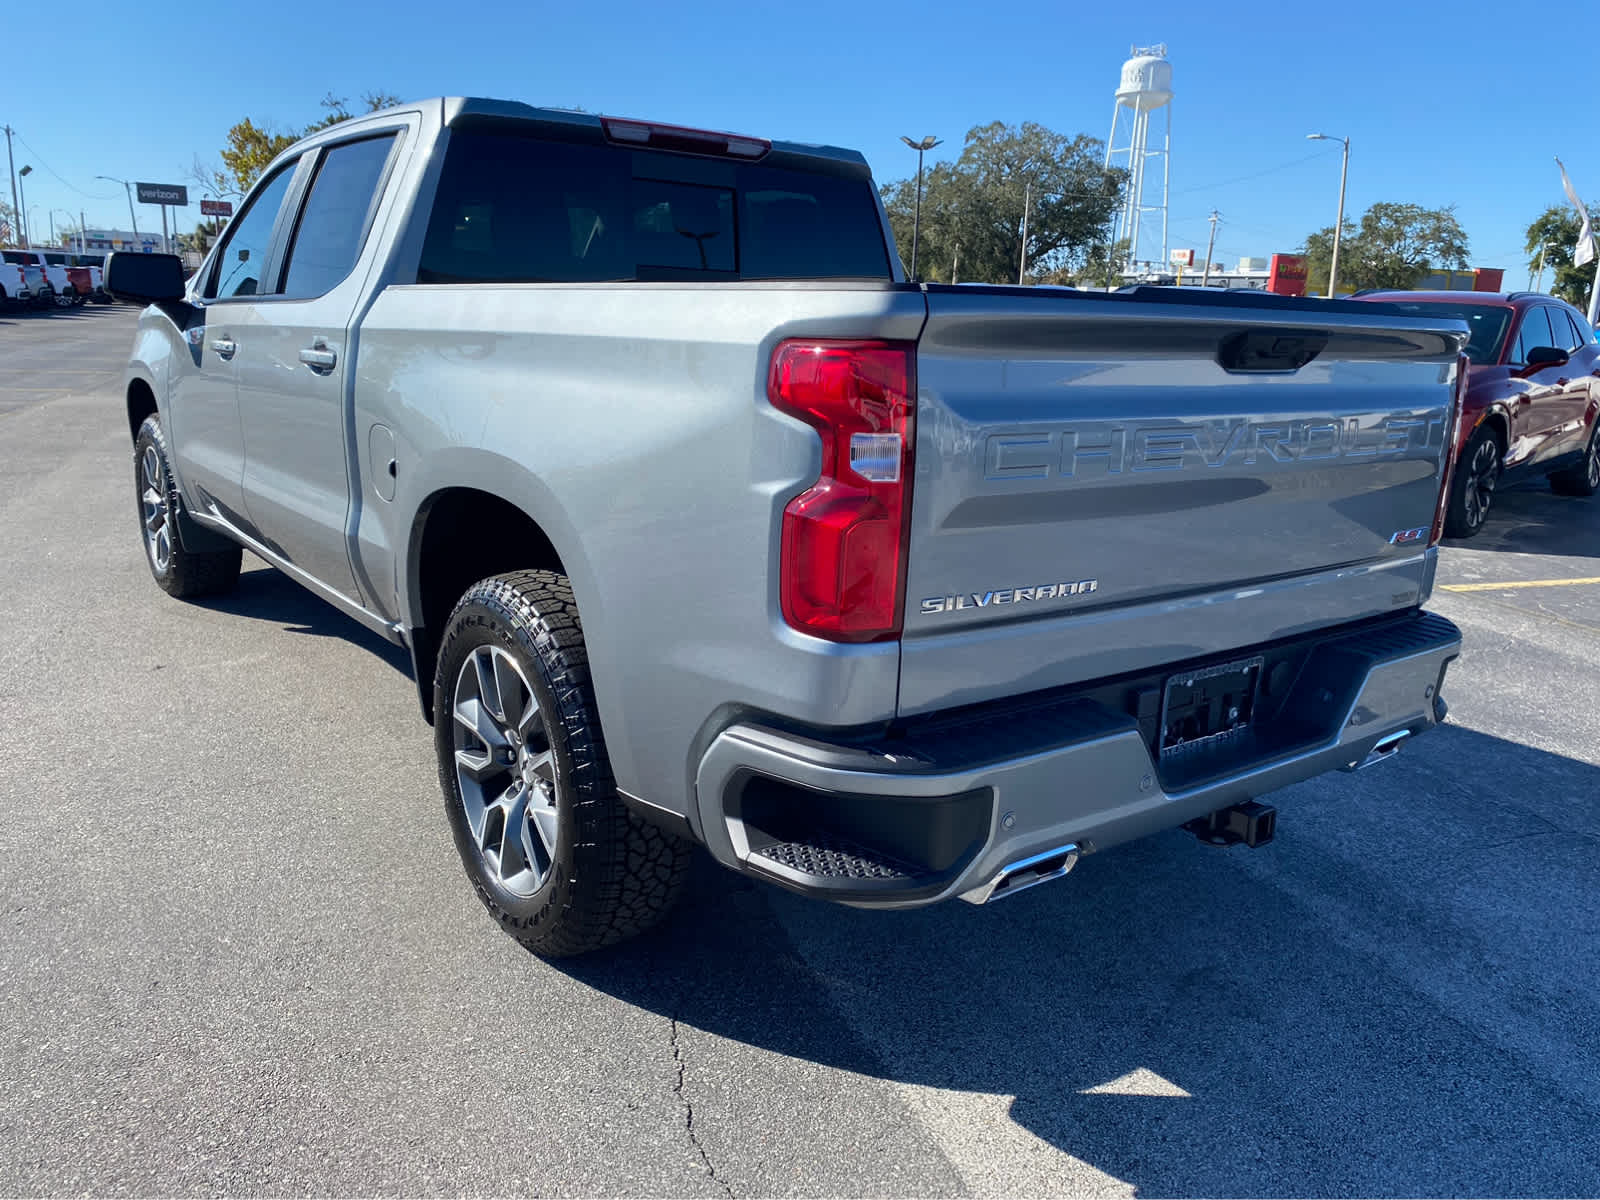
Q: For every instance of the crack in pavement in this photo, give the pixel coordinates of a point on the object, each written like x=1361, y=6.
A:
x=688, y=1110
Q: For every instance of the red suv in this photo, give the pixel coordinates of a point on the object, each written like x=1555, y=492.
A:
x=1533, y=396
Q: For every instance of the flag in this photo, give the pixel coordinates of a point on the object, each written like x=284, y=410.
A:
x=1583, y=253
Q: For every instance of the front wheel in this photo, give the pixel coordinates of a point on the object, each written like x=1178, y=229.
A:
x=177, y=571
x=1583, y=478
x=1472, y=489
x=554, y=854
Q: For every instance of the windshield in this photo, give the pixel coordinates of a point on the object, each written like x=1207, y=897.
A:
x=1488, y=323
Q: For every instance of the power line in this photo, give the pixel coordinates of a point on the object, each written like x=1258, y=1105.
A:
x=1295, y=162
x=52, y=171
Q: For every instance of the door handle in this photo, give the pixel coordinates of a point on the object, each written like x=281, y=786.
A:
x=224, y=347
x=318, y=357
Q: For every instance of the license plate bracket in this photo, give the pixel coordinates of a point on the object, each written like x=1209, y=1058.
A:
x=1208, y=706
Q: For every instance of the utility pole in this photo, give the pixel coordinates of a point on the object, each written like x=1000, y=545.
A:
x=1205, y=279
x=83, y=235
x=954, y=263
x=1022, y=264
x=16, y=215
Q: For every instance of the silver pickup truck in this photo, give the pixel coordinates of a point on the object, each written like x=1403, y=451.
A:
x=703, y=525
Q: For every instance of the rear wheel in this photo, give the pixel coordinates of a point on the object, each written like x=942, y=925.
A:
x=1472, y=488
x=1582, y=479
x=177, y=571
x=554, y=854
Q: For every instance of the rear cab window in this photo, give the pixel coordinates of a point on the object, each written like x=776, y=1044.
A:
x=513, y=207
x=336, y=216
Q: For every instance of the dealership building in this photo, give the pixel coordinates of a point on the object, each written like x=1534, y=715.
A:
x=1285, y=275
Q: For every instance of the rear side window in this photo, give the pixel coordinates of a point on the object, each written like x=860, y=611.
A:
x=516, y=209
x=334, y=222
x=237, y=270
x=1561, y=328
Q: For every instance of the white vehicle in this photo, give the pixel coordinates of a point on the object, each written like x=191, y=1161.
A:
x=55, y=275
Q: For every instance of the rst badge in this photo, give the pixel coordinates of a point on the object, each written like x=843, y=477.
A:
x=1012, y=595
x=1407, y=537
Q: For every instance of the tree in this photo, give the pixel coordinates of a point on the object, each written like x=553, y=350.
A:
x=251, y=147
x=972, y=208
x=1556, y=229
x=1393, y=246
x=247, y=154
x=338, y=110
x=1102, y=265
x=8, y=218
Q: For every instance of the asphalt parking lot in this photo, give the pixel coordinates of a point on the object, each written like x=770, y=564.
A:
x=239, y=954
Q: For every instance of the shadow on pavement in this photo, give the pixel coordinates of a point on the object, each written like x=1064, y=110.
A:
x=1531, y=519
x=1280, y=1048
x=267, y=594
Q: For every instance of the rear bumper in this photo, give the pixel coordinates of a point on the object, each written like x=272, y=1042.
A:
x=945, y=805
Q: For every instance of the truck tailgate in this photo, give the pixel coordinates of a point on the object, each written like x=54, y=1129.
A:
x=1108, y=483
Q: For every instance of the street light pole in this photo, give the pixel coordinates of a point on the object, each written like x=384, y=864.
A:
x=128, y=188
x=926, y=144
x=1338, y=224
x=1538, y=283
x=1022, y=261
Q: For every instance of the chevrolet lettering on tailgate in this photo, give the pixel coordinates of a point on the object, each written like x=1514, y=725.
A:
x=1176, y=446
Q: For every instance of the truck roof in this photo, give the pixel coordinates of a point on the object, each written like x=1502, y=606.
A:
x=457, y=107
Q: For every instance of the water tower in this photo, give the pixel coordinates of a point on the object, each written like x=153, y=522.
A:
x=1146, y=87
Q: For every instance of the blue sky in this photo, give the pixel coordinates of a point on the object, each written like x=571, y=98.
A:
x=1442, y=102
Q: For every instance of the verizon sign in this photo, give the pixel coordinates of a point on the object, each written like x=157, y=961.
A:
x=163, y=193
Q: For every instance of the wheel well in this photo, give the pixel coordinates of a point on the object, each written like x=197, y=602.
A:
x=1496, y=424
x=463, y=535
x=141, y=404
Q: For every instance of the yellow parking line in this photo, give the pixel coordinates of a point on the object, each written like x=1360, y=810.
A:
x=1526, y=583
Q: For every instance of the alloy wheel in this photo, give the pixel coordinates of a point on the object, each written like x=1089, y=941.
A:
x=153, y=502
x=505, y=769
x=1483, y=472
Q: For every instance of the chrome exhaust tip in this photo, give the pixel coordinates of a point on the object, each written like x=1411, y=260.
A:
x=1026, y=873
x=1386, y=748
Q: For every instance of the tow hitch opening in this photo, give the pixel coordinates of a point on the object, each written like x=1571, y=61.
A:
x=1251, y=823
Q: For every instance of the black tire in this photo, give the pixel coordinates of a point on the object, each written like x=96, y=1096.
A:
x=608, y=875
x=1473, y=485
x=1582, y=479
x=178, y=572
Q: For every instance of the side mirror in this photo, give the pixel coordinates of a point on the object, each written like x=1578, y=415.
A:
x=144, y=278
x=1541, y=357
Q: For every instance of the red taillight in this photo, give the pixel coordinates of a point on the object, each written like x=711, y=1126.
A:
x=1447, y=464
x=687, y=141
x=843, y=569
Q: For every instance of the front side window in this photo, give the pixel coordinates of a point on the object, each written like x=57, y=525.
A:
x=1534, y=332
x=334, y=222
x=240, y=258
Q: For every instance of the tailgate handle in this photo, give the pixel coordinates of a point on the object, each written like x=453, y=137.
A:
x=1269, y=349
